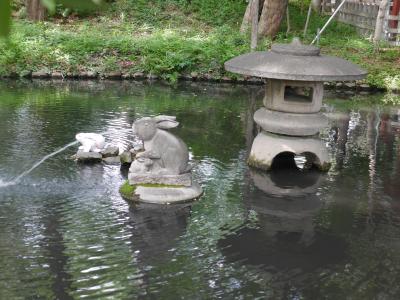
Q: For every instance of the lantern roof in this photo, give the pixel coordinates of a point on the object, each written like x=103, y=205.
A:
x=295, y=61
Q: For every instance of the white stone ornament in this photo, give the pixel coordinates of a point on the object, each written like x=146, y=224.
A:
x=91, y=142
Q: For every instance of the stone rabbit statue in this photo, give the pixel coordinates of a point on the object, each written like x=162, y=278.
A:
x=164, y=153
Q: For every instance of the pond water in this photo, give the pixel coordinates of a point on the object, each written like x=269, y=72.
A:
x=66, y=233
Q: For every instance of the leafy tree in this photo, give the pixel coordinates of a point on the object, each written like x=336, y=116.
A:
x=37, y=8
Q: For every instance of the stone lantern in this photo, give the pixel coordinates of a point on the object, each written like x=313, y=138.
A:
x=290, y=120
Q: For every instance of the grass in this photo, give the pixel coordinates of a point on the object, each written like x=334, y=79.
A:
x=172, y=37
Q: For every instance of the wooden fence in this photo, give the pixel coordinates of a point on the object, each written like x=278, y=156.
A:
x=362, y=14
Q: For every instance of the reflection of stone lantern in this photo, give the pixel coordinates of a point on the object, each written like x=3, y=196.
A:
x=291, y=120
x=286, y=239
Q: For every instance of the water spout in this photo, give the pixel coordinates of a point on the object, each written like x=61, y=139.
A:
x=17, y=179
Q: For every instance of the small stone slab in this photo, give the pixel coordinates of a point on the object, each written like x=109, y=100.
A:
x=110, y=152
x=126, y=157
x=88, y=75
x=113, y=75
x=168, y=195
x=57, y=75
x=112, y=160
x=180, y=180
x=40, y=74
x=139, y=75
x=152, y=77
x=364, y=87
x=88, y=157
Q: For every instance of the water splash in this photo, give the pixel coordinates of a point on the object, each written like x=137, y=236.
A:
x=4, y=184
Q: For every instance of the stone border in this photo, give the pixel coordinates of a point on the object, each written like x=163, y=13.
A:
x=194, y=76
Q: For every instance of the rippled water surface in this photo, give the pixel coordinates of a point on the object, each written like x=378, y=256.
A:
x=65, y=232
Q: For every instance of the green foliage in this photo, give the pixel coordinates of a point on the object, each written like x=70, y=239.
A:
x=165, y=52
x=5, y=17
x=214, y=12
x=173, y=37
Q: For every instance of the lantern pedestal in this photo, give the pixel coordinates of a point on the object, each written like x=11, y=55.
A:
x=266, y=147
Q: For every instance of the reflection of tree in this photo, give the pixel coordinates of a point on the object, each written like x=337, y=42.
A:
x=391, y=158
x=372, y=139
x=341, y=129
x=367, y=218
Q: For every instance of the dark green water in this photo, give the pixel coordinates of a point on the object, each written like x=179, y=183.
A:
x=65, y=232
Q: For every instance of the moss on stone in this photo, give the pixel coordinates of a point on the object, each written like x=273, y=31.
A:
x=257, y=163
x=127, y=191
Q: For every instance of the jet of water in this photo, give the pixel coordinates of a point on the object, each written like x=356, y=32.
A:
x=17, y=179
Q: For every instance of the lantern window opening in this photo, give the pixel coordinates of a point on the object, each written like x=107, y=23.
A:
x=304, y=94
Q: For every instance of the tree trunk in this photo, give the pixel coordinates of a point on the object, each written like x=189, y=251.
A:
x=380, y=19
x=254, y=25
x=271, y=17
x=246, y=23
x=35, y=10
x=316, y=5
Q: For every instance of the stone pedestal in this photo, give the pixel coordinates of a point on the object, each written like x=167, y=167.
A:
x=163, y=189
x=167, y=195
x=266, y=147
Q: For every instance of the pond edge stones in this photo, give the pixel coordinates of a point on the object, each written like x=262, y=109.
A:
x=290, y=120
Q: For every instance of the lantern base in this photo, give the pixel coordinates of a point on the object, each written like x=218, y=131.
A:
x=268, y=147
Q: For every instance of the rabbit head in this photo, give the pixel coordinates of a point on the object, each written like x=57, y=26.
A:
x=146, y=128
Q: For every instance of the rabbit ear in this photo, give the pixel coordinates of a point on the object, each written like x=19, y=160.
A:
x=164, y=118
x=167, y=124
